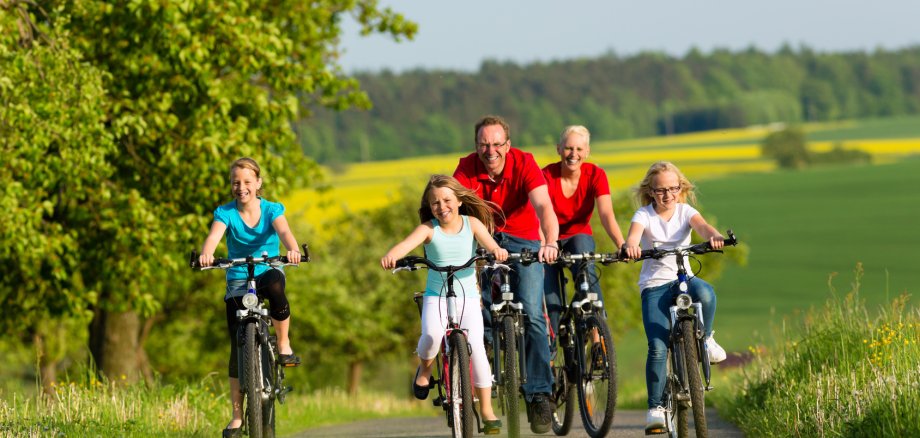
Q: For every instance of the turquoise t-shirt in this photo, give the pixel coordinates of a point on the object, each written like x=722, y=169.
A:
x=451, y=250
x=243, y=240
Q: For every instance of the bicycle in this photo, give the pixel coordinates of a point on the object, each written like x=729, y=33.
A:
x=687, y=351
x=455, y=390
x=509, y=360
x=588, y=359
x=261, y=375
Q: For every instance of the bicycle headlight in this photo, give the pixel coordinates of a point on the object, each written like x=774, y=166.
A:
x=250, y=300
x=684, y=301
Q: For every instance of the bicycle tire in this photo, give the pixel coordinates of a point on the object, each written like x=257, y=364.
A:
x=460, y=392
x=692, y=360
x=510, y=377
x=270, y=380
x=597, y=384
x=565, y=373
x=251, y=380
x=678, y=383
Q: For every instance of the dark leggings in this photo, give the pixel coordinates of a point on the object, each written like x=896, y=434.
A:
x=270, y=285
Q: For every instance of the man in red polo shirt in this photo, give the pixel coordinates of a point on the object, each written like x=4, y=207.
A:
x=512, y=180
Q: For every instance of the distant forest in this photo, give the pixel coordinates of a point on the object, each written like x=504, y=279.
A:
x=426, y=112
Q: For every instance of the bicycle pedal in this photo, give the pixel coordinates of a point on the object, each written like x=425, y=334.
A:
x=438, y=401
x=710, y=388
x=656, y=431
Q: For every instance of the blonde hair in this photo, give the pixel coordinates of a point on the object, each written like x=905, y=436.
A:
x=574, y=129
x=248, y=163
x=472, y=205
x=644, y=192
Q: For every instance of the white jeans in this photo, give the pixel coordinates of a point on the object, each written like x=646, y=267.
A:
x=434, y=321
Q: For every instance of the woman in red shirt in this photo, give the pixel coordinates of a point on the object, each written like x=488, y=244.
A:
x=575, y=188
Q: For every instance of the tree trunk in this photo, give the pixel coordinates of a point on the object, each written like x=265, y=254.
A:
x=47, y=366
x=354, y=377
x=113, y=344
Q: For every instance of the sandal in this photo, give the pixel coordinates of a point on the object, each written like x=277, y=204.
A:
x=288, y=360
x=421, y=392
x=233, y=433
x=491, y=427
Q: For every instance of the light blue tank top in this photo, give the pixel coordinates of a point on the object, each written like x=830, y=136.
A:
x=451, y=250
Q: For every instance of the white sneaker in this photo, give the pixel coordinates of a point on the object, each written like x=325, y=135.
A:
x=716, y=352
x=655, y=418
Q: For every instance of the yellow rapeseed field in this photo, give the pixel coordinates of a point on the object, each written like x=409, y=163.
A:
x=364, y=186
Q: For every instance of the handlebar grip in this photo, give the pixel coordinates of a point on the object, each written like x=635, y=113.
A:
x=732, y=240
x=648, y=253
x=305, y=256
x=193, y=260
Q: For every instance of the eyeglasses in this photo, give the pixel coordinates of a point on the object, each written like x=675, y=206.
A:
x=494, y=145
x=661, y=191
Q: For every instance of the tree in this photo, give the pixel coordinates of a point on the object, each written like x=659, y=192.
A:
x=188, y=87
x=788, y=147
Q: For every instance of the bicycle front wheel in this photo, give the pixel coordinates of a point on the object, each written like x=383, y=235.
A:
x=692, y=361
x=597, y=385
x=251, y=380
x=270, y=380
x=565, y=374
x=460, y=390
x=510, y=378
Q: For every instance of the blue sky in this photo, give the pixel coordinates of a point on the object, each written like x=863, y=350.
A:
x=459, y=35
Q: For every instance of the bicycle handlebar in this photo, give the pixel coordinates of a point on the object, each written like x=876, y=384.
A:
x=603, y=258
x=226, y=263
x=411, y=263
x=699, y=248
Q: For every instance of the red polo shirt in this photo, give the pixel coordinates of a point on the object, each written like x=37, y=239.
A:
x=509, y=191
x=575, y=213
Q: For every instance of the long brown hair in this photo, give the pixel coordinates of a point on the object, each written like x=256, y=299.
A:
x=644, y=192
x=472, y=205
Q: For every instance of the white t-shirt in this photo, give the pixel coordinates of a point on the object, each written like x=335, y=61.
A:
x=663, y=234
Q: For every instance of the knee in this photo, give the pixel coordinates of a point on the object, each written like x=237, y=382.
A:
x=657, y=351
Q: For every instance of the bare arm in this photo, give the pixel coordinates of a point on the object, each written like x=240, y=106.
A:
x=608, y=219
x=206, y=258
x=549, y=224
x=706, y=231
x=633, y=237
x=287, y=238
x=418, y=236
x=486, y=241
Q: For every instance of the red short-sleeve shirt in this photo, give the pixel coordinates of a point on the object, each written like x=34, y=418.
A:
x=574, y=213
x=509, y=191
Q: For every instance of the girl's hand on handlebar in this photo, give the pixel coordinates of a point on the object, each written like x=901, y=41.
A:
x=717, y=242
x=501, y=254
x=205, y=260
x=293, y=257
x=388, y=262
x=633, y=252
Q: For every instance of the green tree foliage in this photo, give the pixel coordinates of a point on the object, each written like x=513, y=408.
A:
x=146, y=104
x=619, y=97
x=789, y=148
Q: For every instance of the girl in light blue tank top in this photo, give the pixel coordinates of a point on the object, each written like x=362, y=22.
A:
x=453, y=219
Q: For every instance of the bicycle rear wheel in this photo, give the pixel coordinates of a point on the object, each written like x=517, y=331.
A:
x=510, y=378
x=460, y=392
x=597, y=384
x=692, y=361
x=251, y=380
x=565, y=374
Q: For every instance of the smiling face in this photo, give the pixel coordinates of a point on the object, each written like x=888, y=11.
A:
x=492, y=145
x=244, y=184
x=573, y=151
x=444, y=205
x=666, y=190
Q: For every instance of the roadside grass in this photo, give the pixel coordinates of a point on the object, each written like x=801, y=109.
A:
x=90, y=407
x=852, y=372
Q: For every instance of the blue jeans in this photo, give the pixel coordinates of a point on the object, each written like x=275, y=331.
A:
x=657, y=322
x=527, y=284
x=577, y=244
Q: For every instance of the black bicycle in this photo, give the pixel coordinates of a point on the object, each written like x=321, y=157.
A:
x=261, y=374
x=455, y=390
x=588, y=356
x=509, y=369
x=687, y=352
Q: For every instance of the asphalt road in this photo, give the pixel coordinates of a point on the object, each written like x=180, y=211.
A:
x=626, y=424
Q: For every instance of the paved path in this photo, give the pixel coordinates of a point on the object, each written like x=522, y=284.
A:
x=626, y=424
